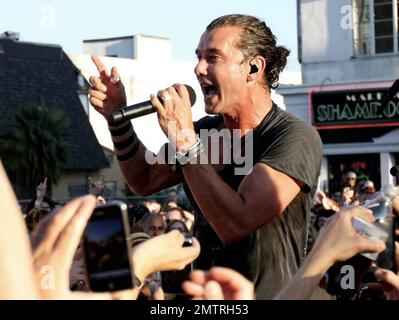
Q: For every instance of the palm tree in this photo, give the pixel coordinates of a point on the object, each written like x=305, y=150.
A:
x=35, y=147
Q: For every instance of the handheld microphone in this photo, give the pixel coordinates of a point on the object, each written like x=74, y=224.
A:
x=141, y=109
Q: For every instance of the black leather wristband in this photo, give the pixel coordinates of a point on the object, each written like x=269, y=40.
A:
x=120, y=131
x=129, y=154
x=125, y=143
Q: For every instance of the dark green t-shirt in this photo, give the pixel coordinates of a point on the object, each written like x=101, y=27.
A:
x=271, y=255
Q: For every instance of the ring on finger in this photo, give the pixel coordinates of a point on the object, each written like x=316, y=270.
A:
x=166, y=97
x=115, y=80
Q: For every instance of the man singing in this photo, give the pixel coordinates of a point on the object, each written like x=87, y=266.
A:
x=255, y=223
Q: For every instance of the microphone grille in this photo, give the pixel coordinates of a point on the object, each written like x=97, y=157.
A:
x=191, y=93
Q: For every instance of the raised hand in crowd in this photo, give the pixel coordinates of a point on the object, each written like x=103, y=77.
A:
x=97, y=189
x=219, y=283
x=54, y=244
x=41, y=190
x=41, y=200
x=17, y=276
x=107, y=92
x=337, y=241
x=56, y=239
x=96, y=186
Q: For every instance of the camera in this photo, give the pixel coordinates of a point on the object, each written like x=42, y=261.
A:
x=371, y=231
x=344, y=279
x=172, y=280
x=381, y=205
x=107, y=248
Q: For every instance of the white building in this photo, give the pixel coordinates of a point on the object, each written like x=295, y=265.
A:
x=349, y=55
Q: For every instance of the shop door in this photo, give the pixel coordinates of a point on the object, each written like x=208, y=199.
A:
x=362, y=164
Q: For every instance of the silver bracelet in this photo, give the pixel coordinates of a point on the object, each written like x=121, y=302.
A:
x=185, y=156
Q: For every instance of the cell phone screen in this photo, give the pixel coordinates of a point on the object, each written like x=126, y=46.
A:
x=106, y=250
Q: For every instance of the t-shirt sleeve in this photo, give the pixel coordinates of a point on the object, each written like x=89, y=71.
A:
x=296, y=150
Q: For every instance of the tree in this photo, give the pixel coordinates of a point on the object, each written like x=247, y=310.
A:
x=35, y=147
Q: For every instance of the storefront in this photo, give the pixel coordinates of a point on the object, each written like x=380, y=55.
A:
x=349, y=55
x=356, y=125
x=358, y=128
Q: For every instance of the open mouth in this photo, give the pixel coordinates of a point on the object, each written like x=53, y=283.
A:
x=209, y=90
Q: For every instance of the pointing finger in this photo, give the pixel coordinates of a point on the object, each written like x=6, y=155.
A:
x=100, y=66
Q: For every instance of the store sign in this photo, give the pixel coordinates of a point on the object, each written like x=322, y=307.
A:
x=355, y=107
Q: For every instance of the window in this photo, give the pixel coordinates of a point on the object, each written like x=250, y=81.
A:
x=84, y=100
x=82, y=92
x=375, y=26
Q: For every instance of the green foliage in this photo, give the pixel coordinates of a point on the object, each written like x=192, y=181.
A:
x=35, y=147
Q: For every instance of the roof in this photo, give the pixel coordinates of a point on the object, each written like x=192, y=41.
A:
x=124, y=38
x=37, y=73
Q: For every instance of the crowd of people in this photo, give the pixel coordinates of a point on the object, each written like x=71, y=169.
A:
x=53, y=262
x=247, y=231
x=50, y=263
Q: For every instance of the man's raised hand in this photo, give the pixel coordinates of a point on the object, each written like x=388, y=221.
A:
x=107, y=92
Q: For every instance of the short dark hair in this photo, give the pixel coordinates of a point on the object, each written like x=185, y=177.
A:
x=256, y=39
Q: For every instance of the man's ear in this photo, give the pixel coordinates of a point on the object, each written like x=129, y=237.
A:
x=256, y=68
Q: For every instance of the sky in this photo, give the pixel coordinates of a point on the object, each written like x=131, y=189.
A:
x=68, y=23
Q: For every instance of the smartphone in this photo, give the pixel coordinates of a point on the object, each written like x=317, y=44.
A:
x=107, y=248
x=172, y=280
x=371, y=231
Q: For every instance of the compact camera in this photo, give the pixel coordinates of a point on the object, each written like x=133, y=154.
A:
x=371, y=231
